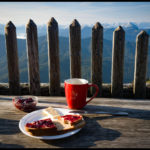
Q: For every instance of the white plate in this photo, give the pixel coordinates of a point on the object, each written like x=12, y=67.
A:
x=37, y=115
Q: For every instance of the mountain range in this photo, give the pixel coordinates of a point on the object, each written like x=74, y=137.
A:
x=86, y=29
x=131, y=31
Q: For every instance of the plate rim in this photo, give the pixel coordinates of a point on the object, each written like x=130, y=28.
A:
x=46, y=137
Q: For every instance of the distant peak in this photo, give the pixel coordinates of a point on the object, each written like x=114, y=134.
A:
x=132, y=25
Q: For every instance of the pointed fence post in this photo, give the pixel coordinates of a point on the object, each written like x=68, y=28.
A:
x=117, y=62
x=33, y=58
x=53, y=57
x=75, y=49
x=141, y=58
x=96, y=59
x=12, y=58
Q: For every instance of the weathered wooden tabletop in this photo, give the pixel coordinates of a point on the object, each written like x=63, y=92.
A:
x=100, y=131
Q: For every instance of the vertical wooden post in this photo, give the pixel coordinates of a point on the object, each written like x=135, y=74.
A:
x=75, y=49
x=117, y=62
x=53, y=57
x=141, y=54
x=96, y=59
x=33, y=58
x=12, y=58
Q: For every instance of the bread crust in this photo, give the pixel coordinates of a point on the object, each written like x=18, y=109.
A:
x=41, y=131
x=61, y=126
x=54, y=131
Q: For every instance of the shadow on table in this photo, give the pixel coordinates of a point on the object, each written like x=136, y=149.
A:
x=93, y=131
x=132, y=113
x=90, y=133
x=3, y=145
x=8, y=126
x=6, y=98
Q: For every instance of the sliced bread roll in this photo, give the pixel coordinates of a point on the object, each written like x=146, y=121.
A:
x=62, y=127
x=41, y=127
x=70, y=119
x=58, y=125
x=51, y=112
x=57, y=129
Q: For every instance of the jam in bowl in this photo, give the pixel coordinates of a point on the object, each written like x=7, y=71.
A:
x=25, y=103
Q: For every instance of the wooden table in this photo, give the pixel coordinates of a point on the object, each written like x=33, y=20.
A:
x=100, y=131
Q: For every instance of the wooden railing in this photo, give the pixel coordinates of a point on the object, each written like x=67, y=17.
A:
x=139, y=85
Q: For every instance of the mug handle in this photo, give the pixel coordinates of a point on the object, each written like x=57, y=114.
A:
x=97, y=89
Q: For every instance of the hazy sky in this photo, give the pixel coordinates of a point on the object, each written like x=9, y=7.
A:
x=64, y=12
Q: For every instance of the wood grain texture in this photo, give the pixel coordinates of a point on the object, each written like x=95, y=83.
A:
x=96, y=56
x=12, y=59
x=53, y=57
x=106, y=88
x=75, y=49
x=100, y=131
x=117, y=62
x=33, y=58
x=140, y=70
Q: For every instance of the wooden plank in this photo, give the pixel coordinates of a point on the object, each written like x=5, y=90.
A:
x=96, y=57
x=12, y=59
x=53, y=57
x=141, y=60
x=117, y=62
x=106, y=88
x=75, y=49
x=33, y=58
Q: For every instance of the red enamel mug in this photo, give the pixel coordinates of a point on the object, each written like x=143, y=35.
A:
x=76, y=92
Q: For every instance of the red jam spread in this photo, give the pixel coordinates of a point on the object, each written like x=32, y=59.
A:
x=71, y=118
x=26, y=104
x=45, y=123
